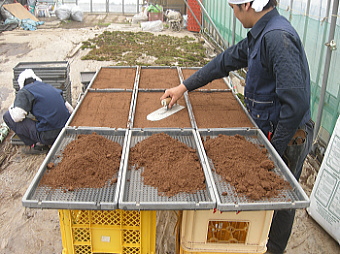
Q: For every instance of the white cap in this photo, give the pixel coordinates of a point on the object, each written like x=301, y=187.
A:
x=257, y=4
x=28, y=73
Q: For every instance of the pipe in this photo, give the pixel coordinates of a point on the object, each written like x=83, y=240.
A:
x=209, y=18
x=290, y=10
x=306, y=23
x=323, y=38
x=213, y=39
x=234, y=30
x=225, y=45
x=193, y=14
x=326, y=68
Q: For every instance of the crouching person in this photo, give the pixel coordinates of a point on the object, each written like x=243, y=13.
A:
x=38, y=114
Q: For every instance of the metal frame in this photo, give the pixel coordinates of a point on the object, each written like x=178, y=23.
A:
x=135, y=195
x=289, y=199
x=105, y=198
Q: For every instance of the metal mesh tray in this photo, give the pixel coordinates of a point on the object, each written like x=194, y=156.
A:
x=171, y=124
x=116, y=83
x=134, y=195
x=242, y=109
x=291, y=199
x=54, y=65
x=91, y=91
x=86, y=198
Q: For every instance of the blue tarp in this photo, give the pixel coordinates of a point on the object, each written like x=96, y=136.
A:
x=26, y=24
x=29, y=24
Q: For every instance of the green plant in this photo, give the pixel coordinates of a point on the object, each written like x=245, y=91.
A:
x=127, y=48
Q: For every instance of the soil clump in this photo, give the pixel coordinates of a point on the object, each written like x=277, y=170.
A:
x=169, y=165
x=245, y=166
x=90, y=161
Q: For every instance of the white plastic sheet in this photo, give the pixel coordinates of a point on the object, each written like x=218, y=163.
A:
x=152, y=26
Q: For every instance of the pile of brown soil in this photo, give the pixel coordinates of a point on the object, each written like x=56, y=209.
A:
x=122, y=78
x=245, y=166
x=169, y=165
x=89, y=161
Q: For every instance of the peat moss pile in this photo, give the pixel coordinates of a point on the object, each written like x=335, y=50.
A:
x=169, y=165
x=89, y=161
x=131, y=48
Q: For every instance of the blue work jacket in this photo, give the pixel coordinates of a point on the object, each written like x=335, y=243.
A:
x=277, y=91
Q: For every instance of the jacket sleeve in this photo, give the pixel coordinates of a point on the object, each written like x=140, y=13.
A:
x=233, y=58
x=286, y=58
x=22, y=105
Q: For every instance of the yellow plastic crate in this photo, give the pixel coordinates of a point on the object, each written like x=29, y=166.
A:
x=114, y=231
x=208, y=232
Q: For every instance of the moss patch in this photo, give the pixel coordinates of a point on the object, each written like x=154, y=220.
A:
x=130, y=49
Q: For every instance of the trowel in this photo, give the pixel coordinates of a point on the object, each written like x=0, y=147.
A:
x=164, y=111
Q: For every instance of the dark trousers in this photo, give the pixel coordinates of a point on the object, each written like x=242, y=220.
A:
x=282, y=222
x=26, y=129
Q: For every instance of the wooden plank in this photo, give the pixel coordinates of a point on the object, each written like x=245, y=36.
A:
x=19, y=11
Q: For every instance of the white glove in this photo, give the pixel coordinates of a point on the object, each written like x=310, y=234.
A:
x=69, y=107
x=17, y=114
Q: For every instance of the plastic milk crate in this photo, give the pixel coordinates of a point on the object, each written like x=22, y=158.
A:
x=108, y=231
x=210, y=231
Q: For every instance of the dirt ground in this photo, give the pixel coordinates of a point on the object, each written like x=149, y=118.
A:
x=25, y=230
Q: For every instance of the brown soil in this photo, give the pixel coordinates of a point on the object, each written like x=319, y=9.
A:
x=169, y=165
x=245, y=166
x=148, y=102
x=217, y=110
x=158, y=78
x=211, y=109
x=216, y=84
x=115, y=78
x=89, y=161
x=103, y=109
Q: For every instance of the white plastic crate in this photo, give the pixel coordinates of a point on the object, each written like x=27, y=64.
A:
x=210, y=231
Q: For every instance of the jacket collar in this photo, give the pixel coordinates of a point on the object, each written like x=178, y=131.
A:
x=261, y=24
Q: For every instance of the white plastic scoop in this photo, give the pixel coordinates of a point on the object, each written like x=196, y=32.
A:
x=164, y=111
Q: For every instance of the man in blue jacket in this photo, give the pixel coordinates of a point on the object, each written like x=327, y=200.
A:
x=277, y=91
x=38, y=114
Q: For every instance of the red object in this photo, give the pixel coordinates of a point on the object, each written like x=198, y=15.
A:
x=155, y=16
x=270, y=135
x=196, y=13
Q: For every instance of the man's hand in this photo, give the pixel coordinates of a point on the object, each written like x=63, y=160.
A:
x=174, y=93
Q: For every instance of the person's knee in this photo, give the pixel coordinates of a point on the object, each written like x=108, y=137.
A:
x=8, y=119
